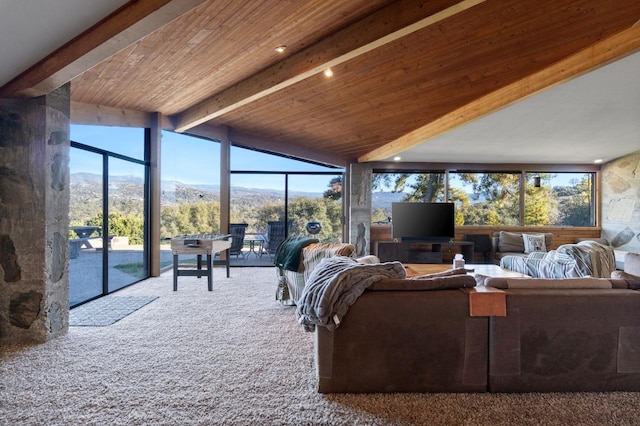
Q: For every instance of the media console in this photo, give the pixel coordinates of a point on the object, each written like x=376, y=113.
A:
x=421, y=251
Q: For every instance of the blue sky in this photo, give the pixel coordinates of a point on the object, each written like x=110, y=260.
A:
x=191, y=160
x=197, y=161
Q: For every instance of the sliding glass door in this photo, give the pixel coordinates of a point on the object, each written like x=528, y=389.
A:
x=85, y=226
x=107, y=254
x=126, y=231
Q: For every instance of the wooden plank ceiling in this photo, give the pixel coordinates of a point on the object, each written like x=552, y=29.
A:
x=404, y=70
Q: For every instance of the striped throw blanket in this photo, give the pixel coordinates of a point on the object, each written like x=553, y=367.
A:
x=334, y=285
x=291, y=283
x=584, y=259
x=314, y=253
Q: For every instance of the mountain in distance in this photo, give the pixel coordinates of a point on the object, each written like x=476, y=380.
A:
x=88, y=186
x=383, y=200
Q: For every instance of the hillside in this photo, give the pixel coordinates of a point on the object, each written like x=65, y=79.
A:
x=127, y=195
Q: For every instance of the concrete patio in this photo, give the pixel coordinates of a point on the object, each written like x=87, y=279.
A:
x=85, y=271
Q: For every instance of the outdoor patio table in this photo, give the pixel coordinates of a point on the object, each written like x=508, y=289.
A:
x=255, y=245
x=83, y=233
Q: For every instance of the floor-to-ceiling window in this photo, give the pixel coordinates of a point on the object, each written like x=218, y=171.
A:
x=127, y=261
x=85, y=208
x=271, y=193
x=108, y=178
x=496, y=198
x=190, y=200
x=265, y=190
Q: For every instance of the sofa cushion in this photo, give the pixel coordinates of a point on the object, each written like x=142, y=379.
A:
x=632, y=263
x=534, y=243
x=549, y=283
x=510, y=241
x=435, y=283
x=513, y=241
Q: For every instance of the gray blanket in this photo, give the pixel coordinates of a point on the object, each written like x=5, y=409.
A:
x=334, y=285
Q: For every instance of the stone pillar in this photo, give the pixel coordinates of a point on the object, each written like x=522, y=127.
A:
x=360, y=207
x=34, y=207
x=621, y=202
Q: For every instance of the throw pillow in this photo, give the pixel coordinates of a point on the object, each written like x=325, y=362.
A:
x=510, y=242
x=533, y=243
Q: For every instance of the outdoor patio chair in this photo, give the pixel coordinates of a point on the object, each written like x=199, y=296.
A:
x=276, y=234
x=237, y=230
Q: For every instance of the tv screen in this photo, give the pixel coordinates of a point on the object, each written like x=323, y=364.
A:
x=423, y=221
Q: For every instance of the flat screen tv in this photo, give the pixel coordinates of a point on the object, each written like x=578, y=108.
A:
x=423, y=221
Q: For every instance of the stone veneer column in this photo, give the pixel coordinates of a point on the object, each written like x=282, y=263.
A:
x=621, y=202
x=34, y=206
x=360, y=205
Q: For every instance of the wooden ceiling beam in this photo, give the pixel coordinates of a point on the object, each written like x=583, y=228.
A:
x=126, y=25
x=385, y=26
x=606, y=51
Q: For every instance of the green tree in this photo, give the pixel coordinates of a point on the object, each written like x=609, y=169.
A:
x=268, y=212
x=426, y=187
x=191, y=218
x=500, y=192
x=378, y=215
x=335, y=189
x=540, y=203
x=577, y=210
x=123, y=225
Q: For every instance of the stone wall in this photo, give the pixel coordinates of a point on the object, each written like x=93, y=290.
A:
x=34, y=205
x=621, y=202
x=360, y=207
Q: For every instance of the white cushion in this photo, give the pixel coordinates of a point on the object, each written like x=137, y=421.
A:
x=533, y=243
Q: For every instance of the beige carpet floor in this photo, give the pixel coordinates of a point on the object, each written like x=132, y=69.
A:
x=234, y=356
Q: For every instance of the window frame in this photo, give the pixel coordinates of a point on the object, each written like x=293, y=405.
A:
x=521, y=170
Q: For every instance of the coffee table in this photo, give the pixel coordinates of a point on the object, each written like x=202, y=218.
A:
x=483, y=301
x=488, y=270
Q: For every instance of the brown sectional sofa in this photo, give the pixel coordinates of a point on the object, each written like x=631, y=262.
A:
x=566, y=339
x=406, y=336
x=417, y=336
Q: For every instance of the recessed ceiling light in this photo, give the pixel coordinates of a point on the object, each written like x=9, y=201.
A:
x=598, y=161
x=328, y=72
x=281, y=49
x=397, y=158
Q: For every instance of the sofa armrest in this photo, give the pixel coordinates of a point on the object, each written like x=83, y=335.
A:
x=495, y=240
x=633, y=281
x=632, y=263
